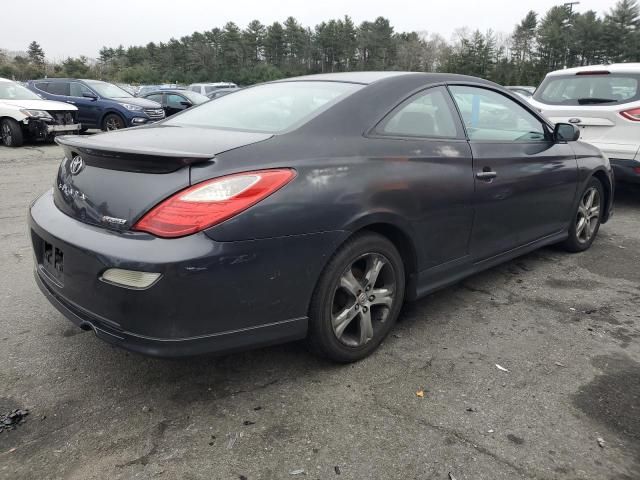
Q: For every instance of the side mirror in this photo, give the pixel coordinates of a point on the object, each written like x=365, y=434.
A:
x=185, y=104
x=89, y=95
x=565, y=132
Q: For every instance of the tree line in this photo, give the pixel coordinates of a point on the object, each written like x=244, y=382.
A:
x=538, y=44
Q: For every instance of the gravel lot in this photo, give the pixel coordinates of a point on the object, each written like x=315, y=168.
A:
x=567, y=328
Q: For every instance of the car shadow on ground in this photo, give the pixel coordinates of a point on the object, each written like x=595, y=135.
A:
x=627, y=195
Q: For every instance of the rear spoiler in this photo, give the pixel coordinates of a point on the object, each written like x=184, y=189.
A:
x=136, y=159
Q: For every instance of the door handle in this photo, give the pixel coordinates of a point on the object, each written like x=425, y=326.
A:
x=486, y=174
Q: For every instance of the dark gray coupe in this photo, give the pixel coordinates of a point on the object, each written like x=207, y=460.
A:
x=309, y=208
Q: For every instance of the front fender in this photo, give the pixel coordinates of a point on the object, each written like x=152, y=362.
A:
x=592, y=162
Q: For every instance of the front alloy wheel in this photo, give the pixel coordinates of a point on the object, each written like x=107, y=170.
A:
x=357, y=299
x=588, y=215
x=113, y=122
x=10, y=133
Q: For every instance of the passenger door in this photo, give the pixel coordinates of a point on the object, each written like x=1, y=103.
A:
x=88, y=108
x=525, y=183
x=425, y=140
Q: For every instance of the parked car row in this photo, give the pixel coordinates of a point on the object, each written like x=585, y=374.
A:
x=42, y=109
x=100, y=104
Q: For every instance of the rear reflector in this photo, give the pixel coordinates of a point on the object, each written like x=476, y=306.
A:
x=633, y=114
x=636, y=170
x=211, y=202
x=129, y=278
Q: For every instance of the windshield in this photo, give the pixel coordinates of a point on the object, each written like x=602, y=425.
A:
x=271, y=107
x=592, y=89
x=13, y=91
x=108, y=90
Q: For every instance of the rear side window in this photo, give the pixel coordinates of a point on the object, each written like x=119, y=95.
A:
x=426, y=114
x=59, y=88
x=592, y=89
x=490, y=116
x=210, y=89
x=156, y=98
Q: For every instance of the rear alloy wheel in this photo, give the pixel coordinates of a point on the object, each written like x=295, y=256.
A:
x=586, y=222
x=357, y=300
x=112, y=122
x=10, y=133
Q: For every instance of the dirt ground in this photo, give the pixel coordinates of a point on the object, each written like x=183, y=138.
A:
x=566, y=327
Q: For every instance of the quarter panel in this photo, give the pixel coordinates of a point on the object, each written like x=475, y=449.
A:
x=424, y=186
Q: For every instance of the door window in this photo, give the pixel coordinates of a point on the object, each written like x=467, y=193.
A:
x=59, y=88
x=175, y=101
x=426, y=114
x=77, y=90
x=489, y=116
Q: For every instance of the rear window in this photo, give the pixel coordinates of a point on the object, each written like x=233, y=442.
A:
x=270, y=108
x=600, y=89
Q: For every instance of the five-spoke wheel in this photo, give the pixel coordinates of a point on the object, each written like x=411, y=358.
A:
x=363, y=299
x=357, y=299
x=588, y=215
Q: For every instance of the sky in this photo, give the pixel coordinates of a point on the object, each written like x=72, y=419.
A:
x=72, y=28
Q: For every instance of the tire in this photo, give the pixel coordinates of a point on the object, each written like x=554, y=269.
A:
x=586, y=219
x=342, y=300
x=11, y=133
x=112, y=122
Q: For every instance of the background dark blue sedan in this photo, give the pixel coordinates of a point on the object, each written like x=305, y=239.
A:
x=100, y=105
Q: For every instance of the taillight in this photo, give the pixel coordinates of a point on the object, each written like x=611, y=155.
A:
x=633, y=114
x=211, y=202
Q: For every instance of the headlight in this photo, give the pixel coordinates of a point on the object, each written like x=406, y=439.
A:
x=37, y=114
x=133, y=108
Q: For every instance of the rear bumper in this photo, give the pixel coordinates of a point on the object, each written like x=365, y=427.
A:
x=626, y=170
x=213, y=297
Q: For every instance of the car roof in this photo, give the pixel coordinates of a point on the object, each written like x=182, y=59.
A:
x=168, y=90
x=212, y=83
x=368, y=78
x=612, y=68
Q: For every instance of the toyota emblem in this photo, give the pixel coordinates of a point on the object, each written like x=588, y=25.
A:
x=77, y=164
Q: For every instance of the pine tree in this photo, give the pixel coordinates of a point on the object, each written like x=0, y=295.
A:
x=36, y=55
x=621, y=25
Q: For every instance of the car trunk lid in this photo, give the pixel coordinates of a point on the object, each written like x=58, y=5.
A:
x=594, y=123
x=111, y=180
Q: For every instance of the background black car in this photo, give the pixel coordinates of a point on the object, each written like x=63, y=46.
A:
x=175, y=101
